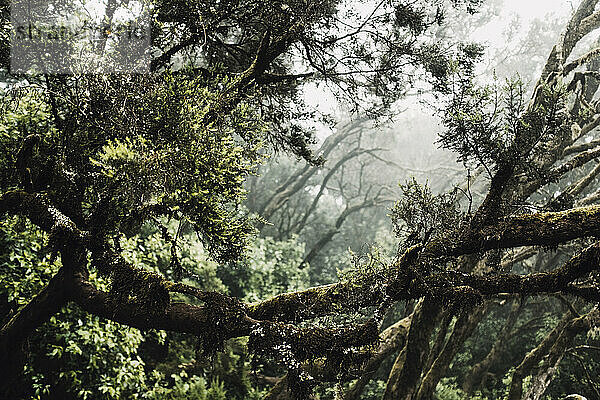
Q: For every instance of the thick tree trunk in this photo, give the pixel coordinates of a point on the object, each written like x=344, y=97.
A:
x=440, y=338
x=463, y=328
x=392, y=338
x=13, y=334
x=532, y=358
x=406, y=371
x=552, y=346
x=280, y=391
x=546, y=370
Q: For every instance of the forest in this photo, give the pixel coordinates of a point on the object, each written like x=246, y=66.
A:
x=300, y=199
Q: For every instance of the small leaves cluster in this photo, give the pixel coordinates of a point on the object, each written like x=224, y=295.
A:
x=139, y=150
x=369, y=270
x=338, y=349
x=494, y=125
x=420, y=215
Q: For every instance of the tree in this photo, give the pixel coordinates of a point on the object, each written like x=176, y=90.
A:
x=88, y=167
x=476, y=149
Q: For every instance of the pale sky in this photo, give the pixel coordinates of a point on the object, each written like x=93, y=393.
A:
x=527, y=10
x=490, y=35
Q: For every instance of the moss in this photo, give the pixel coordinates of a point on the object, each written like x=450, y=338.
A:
x=326, y=353
x=541, y=229
x=137, y=286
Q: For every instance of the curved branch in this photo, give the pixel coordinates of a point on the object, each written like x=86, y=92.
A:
x=391, y=339
x=12, y=335
x=541, y=229
x=298, y=179
x=326, y=238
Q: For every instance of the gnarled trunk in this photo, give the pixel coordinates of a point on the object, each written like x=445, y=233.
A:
x=406, y=371
x=392, y=338
x=552, y=347
x=546, y=370
x=463, y=328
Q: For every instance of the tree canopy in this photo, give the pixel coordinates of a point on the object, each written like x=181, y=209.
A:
x=145, y=210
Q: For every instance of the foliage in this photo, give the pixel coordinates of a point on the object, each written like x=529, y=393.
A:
x=168, y=163
x=150, y=250
x=146, y=174
x=447, y=389
x=272, y=267
x=78, y=355
x=492, y=125
x=421, y=216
